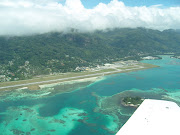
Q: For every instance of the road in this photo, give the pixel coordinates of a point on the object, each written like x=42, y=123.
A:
x=64, y=79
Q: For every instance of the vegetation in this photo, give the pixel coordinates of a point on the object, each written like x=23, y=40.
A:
x=27, y=56
x=132, y=100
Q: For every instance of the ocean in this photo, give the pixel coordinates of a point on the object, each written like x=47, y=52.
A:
x=91, y=108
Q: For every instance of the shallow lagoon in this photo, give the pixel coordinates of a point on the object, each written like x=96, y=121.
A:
x=49, y=112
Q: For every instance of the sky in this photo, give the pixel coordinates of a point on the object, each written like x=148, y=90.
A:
x=22, y=17
x=165, y=3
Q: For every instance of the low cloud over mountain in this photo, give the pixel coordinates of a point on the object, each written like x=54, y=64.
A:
x=20, y=17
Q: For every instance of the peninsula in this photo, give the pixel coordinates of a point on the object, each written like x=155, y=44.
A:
x=106, y=69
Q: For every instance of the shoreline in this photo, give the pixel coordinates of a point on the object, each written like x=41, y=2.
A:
x=37, y=83
x=92, y=79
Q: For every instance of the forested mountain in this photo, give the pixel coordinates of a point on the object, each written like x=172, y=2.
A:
x=27, y=56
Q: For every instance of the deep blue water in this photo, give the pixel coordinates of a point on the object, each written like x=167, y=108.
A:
x=31, y=113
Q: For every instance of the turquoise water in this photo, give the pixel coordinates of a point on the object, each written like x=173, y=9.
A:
x=24, y=112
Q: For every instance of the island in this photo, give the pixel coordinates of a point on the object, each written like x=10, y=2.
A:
x=132, y=101
x=123, y=104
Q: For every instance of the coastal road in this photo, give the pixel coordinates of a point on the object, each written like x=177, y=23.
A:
x=69, y=78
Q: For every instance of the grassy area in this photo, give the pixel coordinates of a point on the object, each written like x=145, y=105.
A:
x=73, y=74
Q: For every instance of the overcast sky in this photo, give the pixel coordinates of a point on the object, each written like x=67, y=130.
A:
x=18, y=17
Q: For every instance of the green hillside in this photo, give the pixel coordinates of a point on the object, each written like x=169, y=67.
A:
x=27, y=56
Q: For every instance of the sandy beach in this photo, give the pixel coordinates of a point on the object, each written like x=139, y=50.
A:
x=92, y=79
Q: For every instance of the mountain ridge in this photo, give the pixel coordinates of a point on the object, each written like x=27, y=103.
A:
x=26, y=56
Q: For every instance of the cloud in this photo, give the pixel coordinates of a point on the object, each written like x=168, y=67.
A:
x=20, y=17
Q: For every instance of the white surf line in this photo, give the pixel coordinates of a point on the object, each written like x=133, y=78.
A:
x=62, y=79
